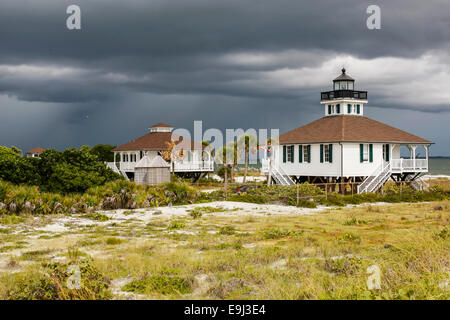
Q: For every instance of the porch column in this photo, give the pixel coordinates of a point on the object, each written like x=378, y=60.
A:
x=391, y=155
x=414, y=147
x=114, y=159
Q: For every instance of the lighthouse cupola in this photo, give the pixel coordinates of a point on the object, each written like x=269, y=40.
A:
x=343, y=82
x=343, y=99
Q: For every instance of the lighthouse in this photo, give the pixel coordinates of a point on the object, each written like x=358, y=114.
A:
x=347, y=149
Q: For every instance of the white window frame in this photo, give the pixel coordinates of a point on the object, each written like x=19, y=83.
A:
x=290, y=155
x=305, y=154
x=366, y=152
x=326, y=153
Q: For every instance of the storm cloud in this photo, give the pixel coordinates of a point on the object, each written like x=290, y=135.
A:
x=230, y=63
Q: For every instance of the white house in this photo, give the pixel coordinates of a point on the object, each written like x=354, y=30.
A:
x=347, y=148
x=189, y=159
x=34, y=153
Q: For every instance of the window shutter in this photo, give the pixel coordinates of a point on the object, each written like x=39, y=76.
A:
x=338, y=108
x=329, y=109
x=358, y=109
x=292, y=153
x=349, y=108
x=321, y=153
x=388, y=149
x=300, y=153
x=370, y=152
x=330, y=148
x=309, y=153
x=284, y=154
x=361, y=153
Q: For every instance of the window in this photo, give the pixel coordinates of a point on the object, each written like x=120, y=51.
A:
x=338, y=108
x=329, y=109
x=306, y=157
x=366, y=152
x=349, y=108
x=327, y=153
x=358, y=109
x=290, y=153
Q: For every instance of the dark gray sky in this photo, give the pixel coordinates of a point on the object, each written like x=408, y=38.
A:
x=231, y=63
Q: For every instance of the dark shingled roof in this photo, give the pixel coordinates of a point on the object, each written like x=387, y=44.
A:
x=156, y=141
x=348, y=128
x=344, y=77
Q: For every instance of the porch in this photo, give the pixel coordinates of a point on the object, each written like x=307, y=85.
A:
x=179, y=166
x=409, y=165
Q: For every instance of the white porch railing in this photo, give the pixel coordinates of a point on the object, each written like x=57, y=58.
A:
x=194, y=166
x=409, y=165
x=184, y=166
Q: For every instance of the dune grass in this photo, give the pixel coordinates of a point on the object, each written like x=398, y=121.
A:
x=214, y=256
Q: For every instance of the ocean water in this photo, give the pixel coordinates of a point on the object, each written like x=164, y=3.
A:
x=439, y=166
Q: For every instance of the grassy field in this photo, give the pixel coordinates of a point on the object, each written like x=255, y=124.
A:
x=213, y=251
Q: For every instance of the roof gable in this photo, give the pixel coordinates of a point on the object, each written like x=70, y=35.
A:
x=152, y=162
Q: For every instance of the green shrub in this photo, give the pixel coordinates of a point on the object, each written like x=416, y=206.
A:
x=354, y=221
x=113, y=241
x=276, y=233
x=97, y=217
x=52, y=284
x=67, y=171
x=120, y=194
x=176, y=224
x=227, y=230
x=163, y=284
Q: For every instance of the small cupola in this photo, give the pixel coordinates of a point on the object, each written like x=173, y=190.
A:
x=161, y=127
x=344, y=82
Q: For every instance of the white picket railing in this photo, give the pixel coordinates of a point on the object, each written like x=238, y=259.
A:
x=185, y=166
x=194, y=166
x=363, y=186
x=412, y=165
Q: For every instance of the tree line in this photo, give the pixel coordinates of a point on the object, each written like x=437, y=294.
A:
x=71, y=170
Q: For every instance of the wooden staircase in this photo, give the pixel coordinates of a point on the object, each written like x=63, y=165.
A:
x=281, y=177
x=376, y=180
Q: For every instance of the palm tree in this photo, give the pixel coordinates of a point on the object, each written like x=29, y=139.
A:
x=248, y=143
x=169, y=155
x=224, y=157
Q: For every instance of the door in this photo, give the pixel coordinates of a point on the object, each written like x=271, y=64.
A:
x=386, y=153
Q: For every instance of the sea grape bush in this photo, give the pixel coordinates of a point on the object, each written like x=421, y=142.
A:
x=67, y=171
